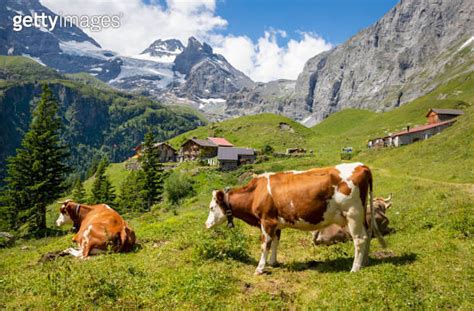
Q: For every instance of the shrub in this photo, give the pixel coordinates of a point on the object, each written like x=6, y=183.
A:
x=267, y=149
x=177, y=187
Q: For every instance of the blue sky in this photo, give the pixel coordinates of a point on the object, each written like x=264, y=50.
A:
x=335, y=20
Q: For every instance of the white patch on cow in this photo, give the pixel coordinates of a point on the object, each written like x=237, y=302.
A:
x=296, y=172
x=216, y=215
x=86, y=236
x=108, y=206
x=267, y=176
x=292, y=206
x=281, y=220
x=263, y=258
x=63, y=219
x=273, y=257
x=74, y=252
x=346, y=169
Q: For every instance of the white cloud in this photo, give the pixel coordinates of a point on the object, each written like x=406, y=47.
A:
x=266, y=60
x=141, y=24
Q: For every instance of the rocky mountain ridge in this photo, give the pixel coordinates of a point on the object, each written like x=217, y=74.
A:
x=391, y=62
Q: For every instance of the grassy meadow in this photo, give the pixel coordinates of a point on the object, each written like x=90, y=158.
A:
x=178, y=264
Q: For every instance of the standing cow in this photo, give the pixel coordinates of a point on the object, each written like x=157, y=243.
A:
x=99, y=228
x=334, y=233
x=305, y=200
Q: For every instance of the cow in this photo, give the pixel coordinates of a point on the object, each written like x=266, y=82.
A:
x=99, y=228
x=305, y=200
x=335, y=233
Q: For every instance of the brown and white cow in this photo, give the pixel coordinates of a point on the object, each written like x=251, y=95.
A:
x=99, y=228
x=334, y=233
x=306, y=200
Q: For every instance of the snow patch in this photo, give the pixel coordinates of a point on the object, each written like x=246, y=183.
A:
x=468, y=41
x=36, y=59
x=158, y=59
x=213, y=100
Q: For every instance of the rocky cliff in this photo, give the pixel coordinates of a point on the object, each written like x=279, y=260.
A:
x=395, y=60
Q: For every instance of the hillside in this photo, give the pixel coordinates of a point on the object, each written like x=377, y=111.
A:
x=96, y=117
x=180, y=265
x=253, y=131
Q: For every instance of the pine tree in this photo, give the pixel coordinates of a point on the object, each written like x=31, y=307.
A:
x=78, y=192
x=132, y=196
x=152, y=169
x=36, y=174
x=102, y=189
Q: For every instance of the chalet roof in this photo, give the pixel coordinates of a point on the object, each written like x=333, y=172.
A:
x=423, y=128
x=163, y=144
x=232, y=153
x=221, y=142
x=202, y=142
x=454, y=112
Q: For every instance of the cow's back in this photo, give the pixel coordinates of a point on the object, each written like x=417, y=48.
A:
x=296, y=196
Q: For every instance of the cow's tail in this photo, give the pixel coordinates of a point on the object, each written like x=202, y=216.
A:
x=127, y=239
x=373, y=223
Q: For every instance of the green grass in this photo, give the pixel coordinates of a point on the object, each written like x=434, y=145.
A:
x=180, y=265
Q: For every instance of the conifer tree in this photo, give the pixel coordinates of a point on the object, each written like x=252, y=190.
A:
x=102, y=189
x=78, y=192
x=36, y=174
x=152, y=169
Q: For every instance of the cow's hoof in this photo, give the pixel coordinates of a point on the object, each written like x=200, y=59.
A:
x=258, y=272
x=274, y=264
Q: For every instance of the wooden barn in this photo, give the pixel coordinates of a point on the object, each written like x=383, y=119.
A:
x=435, y=115
x=167, y=153
x=194, y=149
x=230, y=158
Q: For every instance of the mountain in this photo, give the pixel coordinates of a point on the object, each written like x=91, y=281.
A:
x=68, y=49
x=166, y=70
x=208, y=75
x=397, y=59
x=164, y=51
x=97, y=118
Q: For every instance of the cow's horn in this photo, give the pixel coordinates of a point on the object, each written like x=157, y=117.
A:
x=64, y=202
x=388, y=199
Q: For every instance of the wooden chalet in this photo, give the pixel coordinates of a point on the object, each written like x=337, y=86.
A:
x=194, y=148
x=230, y=158
x=167, y=153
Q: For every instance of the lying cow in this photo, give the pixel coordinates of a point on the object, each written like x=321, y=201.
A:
x=335, y=233
x=99, y=228
x=306, y=200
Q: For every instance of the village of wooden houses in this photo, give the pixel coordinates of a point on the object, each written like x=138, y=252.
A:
x=213, y=151
x=219, y=152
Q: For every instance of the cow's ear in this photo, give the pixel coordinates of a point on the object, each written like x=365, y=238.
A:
x=220, y=196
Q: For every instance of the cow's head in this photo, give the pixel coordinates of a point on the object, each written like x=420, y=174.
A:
x=216, y=210
x=383, y=204
x=65, y=213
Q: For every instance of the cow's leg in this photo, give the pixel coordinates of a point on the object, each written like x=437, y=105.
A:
x=275, y=242
x=268, y=231
x=355, y=221
x=73, y=252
